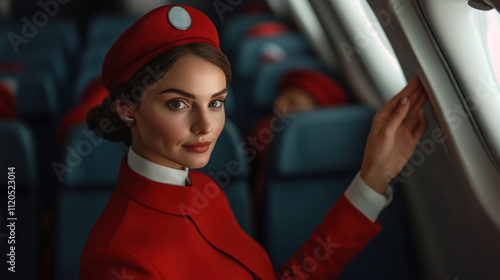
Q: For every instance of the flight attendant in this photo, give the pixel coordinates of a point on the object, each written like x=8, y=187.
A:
x=167, y=80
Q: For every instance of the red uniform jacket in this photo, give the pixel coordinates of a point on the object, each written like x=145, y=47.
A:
x=150, y=230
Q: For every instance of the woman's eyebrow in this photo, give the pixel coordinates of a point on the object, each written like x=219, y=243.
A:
x=178, y=91
x=190, y=95
x=220, y=92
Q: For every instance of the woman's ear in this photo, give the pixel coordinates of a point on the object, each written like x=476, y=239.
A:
x=126, y=111
x=124, y=108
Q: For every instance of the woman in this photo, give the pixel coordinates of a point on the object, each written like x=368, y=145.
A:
x=167, y=80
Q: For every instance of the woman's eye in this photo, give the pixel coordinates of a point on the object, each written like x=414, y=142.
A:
x=177, y=104
x=216, y=103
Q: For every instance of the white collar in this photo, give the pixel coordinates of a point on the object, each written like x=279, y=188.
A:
x=156, y=172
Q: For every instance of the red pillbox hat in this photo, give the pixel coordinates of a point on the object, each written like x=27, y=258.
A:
x=160, y=30
x=321, y=87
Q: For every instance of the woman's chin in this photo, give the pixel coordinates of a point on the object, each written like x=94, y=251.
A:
x=197, y=164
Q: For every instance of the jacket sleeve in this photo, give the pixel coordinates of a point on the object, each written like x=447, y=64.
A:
x=341, y=235
x=118, y=264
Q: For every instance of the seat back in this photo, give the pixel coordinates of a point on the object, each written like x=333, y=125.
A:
x=18, y=150
x=17, y=162
x=108, y=27
x=77, y=211
x=36, y=94
x=255, y=51
x=233, y=31
x=92, y=165
x=311, y=163
x=91, y=161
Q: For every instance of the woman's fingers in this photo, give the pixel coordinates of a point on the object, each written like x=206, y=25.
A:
x=419, y=129
x=412, y=87
x=398, y=116
x=411, y=123
x=419, y=100
x=404, y=107
x=413, y=115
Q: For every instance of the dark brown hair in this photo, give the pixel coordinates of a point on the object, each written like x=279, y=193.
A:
x=104, y=120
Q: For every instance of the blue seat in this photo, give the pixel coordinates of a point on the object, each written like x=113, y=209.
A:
x=77, y=211
x=68, y=34
x=93, y=162
x=231, y=106
x=36, y=94
x=249, y=54
x=54, y=47
x=18, y=151
x=311, y=163
x=233, y=31
x=94, y=165
x=88, y=72
x=108, y=27
x=59, y=33
x=43, y=58
x=230, y=169
x=94, y=55
x=4, y=42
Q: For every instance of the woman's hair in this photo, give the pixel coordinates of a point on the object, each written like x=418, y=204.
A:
x=105, y=121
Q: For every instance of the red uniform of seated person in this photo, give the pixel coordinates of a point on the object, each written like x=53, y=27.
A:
x=298, y=90
x=7, y=103
x=167, y=80
x=266, y=29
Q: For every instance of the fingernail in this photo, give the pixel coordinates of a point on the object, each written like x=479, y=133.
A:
x=404, y=100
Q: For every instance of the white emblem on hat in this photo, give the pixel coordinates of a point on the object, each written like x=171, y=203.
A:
x=179, y=18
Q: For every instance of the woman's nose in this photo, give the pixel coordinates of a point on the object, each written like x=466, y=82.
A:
x=201, y=123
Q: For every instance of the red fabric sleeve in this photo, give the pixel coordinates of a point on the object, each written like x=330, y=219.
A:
x=341, y=235
x=119, y=264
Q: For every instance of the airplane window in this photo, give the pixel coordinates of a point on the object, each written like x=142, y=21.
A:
x=488, y=25
x=366, y=56
x=486, y=90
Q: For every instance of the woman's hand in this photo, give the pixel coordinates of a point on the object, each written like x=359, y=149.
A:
x=395, y=132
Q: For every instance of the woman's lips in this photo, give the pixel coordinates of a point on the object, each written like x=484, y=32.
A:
x=198, y=147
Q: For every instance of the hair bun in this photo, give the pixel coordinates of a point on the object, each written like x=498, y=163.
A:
x=105, y=122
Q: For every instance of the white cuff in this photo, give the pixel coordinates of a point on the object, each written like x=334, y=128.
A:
x=366, y=200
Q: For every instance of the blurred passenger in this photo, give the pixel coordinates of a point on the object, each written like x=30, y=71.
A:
x=298, y=91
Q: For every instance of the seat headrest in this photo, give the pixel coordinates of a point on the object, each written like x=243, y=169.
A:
x=252, y=51
x=89, y=160
x=322, y=142
x=18, y=150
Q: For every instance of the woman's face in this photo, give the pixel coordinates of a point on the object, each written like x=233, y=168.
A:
x=182, y=115
x=293, y=99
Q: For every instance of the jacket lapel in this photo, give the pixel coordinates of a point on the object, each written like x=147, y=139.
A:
x=216, y=222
